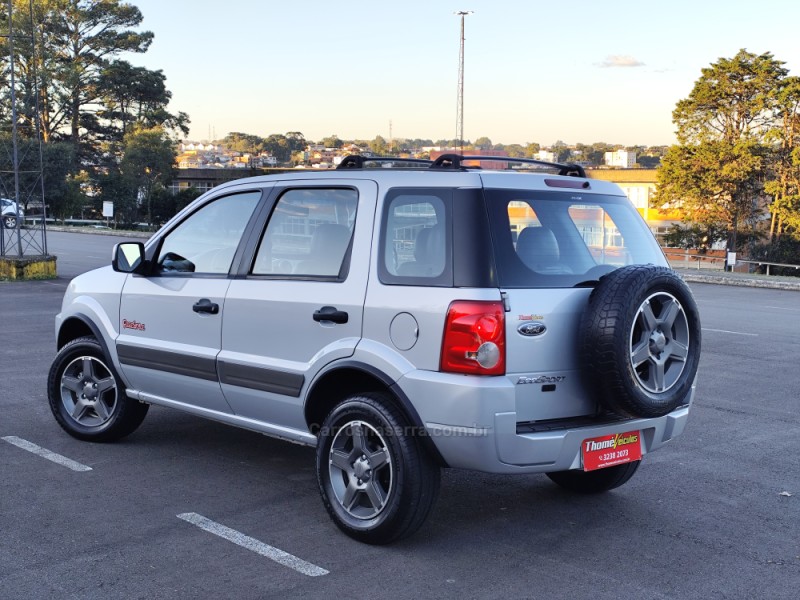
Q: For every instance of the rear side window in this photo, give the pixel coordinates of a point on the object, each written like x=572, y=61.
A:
x=553, y=239
x=308, y=234
x=415, y=238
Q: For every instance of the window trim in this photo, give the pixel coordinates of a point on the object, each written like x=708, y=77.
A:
x=260, y=230
x=153, y=251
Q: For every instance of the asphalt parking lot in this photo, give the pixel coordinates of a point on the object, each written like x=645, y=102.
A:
x=187, y=508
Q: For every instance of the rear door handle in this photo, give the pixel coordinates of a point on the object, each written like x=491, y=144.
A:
x=330, y=313
x=204, y=305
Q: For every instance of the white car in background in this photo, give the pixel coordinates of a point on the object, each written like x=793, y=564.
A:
x=11, y=212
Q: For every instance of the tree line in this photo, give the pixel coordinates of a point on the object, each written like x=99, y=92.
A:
x=106, y=131
x=735, y=171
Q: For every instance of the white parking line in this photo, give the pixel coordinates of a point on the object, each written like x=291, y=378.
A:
x=45, y=453
x=240, y=539
x=732, y=332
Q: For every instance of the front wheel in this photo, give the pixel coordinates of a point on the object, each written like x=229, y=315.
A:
x=86, y=396
x=595, y=482
x=376, y=480
x=9, y=221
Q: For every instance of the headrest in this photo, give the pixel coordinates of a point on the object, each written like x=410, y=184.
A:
x=330, y=238
x=537, y=247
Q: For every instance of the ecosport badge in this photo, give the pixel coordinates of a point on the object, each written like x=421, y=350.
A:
x=531, y=328
x=541, y=379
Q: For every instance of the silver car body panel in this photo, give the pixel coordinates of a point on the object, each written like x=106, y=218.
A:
x=268, y=327
x=93, y=298
x=166, y=348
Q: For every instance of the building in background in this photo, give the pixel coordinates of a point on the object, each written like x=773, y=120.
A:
x=639, y=186
x=620, y=158
x=545, y=155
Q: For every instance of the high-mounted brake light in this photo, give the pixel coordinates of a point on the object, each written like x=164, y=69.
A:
x=568, y=183
x=474, y=339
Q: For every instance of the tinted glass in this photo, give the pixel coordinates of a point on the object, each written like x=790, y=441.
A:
x=415, y=236
x=561, y=239
x=308, y=234
x=206, y=241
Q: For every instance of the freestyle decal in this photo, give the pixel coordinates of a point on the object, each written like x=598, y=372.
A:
x=135, y=325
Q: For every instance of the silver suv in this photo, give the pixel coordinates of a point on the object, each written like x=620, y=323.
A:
x=400, y=320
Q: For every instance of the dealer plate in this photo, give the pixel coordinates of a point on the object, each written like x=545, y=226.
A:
x=610, y=450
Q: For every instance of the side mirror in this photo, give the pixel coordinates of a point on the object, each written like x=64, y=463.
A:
x=128, y=257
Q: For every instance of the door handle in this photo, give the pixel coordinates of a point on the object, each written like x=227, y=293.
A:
x=330, y=313
x=205, y=305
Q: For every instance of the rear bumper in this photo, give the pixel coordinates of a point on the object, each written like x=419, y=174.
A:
x=483, y=435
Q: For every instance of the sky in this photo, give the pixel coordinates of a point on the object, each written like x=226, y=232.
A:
x=580, y=71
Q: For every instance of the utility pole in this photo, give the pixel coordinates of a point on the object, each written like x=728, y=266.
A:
x=460, y=101
x=25, y=153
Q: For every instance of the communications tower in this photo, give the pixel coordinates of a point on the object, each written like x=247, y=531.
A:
x=460, y=101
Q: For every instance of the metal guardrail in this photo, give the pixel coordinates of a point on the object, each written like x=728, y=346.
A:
x=704, y=259
x=699, y=258
x=769, y=264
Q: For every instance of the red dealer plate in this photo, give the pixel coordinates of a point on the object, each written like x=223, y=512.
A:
x=610, y=450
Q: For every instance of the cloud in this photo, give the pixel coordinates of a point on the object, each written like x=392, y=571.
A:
x=620, y=61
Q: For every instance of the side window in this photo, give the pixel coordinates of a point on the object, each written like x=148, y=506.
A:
x=207, y=240
x=308, y=234
x=415, y=238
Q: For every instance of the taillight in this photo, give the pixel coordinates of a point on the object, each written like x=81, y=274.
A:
x=474, y=338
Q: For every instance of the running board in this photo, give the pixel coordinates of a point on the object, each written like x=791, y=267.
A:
x=296, y=436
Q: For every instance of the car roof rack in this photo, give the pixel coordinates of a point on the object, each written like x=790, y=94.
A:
x=453, y=162
x=358, y=161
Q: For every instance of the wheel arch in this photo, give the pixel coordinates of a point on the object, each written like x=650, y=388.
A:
x=348, y=377
x=78, y=326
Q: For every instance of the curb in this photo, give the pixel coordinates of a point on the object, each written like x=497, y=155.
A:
x=757, y=281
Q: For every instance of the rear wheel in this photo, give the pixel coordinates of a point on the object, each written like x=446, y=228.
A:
x=87, y=397
x=595, y=482
x=9, y=221
x=376, y=480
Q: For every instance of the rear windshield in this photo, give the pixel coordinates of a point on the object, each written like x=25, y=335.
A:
x=561, y=239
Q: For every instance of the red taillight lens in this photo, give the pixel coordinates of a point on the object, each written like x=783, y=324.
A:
x=474, y=338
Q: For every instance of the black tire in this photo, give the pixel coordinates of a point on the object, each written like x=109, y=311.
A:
x=9, y=221
x=87, y=396
x=377, y=482
x=595, y=482
x=641, y=341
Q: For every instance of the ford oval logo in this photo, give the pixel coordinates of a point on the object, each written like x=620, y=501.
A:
x=532, y=328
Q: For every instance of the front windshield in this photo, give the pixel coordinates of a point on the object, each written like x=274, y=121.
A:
x=562, y=239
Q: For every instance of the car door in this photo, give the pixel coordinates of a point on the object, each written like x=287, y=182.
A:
x=299, y=304
x=171, y=319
